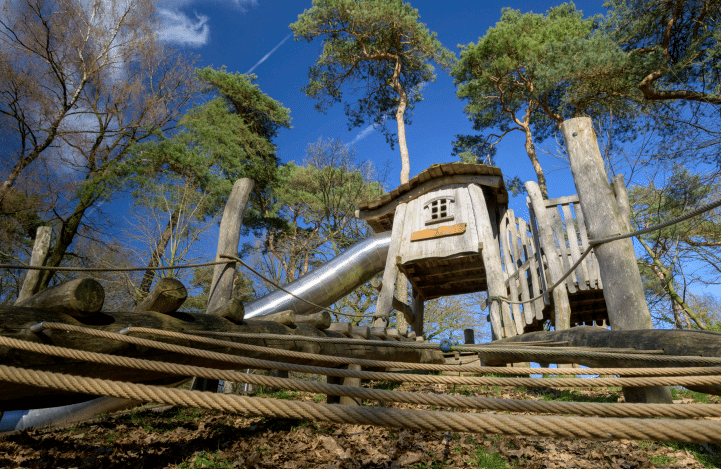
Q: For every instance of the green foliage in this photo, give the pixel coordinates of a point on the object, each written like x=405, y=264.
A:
x=708, y=459
x=485, y=460
x=207, y=460
x=575, y=396
x=387, y=385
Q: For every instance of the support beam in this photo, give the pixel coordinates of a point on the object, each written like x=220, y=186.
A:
x=166, y=297
x=385, y=298
x=492, y=264
x=81, y=298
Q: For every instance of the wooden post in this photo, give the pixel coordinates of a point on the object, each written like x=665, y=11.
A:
x=418, y=307
x=468, y=336
x=356, y=382
x=560, y=294
x=385, y=298
x=221, y=287
x=492, y=262
x=37, y=259
x=622, y=287
x=166, y=297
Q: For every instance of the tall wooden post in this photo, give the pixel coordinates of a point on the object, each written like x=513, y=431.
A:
x=221, y=288
x=384, y=303
x=492, y=263
x=562, y=311
x=622, y=287
x=37, y=258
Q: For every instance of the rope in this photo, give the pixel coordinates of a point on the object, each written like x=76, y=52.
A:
x=510, y=405
x=439, y=421
x=411, y=378
x=553, y=353
x=113, y=269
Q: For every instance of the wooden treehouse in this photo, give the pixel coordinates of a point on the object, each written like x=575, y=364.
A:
x=452, y=233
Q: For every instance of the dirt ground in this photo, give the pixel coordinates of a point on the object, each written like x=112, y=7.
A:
x=155, y=436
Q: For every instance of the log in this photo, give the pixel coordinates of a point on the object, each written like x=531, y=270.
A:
x=341, y=328
x=393, y=334
x=379, y=332
x=622, y=286
x=166, y=297
x=232, y=310
x=320, y=320
x=16, y=322
x=221, y=288
x=361, y=331
x=31, y=283
x=287, y=318
x=80, y=298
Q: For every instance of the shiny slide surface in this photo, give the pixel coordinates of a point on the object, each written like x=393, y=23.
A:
x=329, y=282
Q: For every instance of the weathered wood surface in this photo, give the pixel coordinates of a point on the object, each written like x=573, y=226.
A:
x=37, y=258
x=492, y=262
x=233, y=310
x=418, y=307
x=81, y=297
x=623, y=290
x=16, y=324
x=361, y=331
x=386, y=295
x=221, y=288
x=672, y=342
x=397, y=304
x=548, y=244
x=287, y=318
x=166, y=297
x=320, y=320
x=341, y=328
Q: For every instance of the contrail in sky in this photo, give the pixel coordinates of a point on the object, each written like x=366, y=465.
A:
x=265, y=57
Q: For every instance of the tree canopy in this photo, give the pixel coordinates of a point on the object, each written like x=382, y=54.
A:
x=378, y=50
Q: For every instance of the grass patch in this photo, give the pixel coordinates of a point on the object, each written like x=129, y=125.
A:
x=206, y=460
x=386, y=385
x=485, y=460
x=702, y=455
x=575, y=396
x=699, y=397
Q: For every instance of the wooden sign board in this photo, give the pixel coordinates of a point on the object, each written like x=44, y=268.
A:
x=439, y=232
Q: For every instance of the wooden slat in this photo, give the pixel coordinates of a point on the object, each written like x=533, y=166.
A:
x=573, y=246
x=563, y=252
x=590, y=261
x=562, y=200
x=532, y=258
x=504, y=232
x=528, y=309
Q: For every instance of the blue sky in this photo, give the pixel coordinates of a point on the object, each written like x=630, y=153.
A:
x=253, y=35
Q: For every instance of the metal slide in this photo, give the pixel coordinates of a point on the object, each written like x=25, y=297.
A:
x=324, y=285
x=329, y=282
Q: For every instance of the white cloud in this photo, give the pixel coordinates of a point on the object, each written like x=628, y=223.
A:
x=178, y=27
x=265, y=57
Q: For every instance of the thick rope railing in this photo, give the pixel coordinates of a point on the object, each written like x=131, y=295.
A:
x=399, y=377
x=510, y=405
x=698, y=431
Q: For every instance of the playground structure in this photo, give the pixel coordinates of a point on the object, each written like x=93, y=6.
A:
x=450, y=231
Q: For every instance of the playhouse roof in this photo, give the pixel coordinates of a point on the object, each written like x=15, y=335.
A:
x=379, y=213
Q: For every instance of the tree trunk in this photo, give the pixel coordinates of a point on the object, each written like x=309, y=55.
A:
x=159, y=251
x=531, y=151
x=68, y=230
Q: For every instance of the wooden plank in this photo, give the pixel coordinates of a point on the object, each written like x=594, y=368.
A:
x=417, y=306
x=440, y=232
x=499, y=311
x=533, y=272
x=555, y=267
x=504, y=232
x=590, y=261
x=573, y=246
x=561, y=200
x=528, y=308
x=563, y=251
